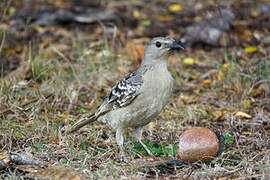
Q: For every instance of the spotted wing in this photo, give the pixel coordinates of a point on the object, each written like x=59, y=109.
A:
x=125, y=91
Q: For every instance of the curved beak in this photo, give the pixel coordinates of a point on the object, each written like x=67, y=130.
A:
x=177, y=45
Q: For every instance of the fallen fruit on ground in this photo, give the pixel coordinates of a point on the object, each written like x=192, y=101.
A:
x=197, y=144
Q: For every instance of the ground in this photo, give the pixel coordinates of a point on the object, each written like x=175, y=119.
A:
x=55, y=71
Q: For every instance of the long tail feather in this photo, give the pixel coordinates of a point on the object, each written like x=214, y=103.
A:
x=82, y=122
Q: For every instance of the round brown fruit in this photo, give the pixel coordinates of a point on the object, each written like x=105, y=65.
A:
x=197, y=144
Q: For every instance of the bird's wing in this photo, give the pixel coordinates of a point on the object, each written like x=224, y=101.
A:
x=123, y=93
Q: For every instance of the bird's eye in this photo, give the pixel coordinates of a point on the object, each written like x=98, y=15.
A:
x=158, y=44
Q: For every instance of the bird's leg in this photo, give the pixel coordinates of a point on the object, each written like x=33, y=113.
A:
x=120, y=142
x=138, y=134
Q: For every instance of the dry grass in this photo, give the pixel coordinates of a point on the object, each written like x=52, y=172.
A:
x=58, y=91
x=69, y=73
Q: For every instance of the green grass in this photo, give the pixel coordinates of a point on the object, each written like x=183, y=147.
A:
x=228, y=139
x=38, y=106
x=94, y=152
x=158, y=150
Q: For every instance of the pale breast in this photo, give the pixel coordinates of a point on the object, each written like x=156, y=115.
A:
x=155, y=94
x=160, y=89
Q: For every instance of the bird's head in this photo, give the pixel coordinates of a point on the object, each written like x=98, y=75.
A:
x=162, y=47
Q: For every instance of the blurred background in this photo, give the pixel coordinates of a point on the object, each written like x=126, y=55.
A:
x=59, y=59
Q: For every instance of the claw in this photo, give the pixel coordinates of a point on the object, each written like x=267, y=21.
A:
x=122, y=158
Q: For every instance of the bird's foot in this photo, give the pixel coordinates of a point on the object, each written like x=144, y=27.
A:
x=122, y=158
x=138, y=133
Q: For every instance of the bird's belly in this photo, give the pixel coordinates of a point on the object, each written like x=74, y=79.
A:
x=139, y=115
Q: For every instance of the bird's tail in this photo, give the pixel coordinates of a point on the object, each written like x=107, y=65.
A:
x=82, y=122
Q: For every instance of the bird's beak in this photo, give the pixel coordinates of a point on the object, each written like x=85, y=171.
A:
x=177, y=45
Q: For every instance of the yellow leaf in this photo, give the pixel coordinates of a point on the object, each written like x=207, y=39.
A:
x=11, y=10
x=174, y=8
x=136, y=14
x=225, y=67
x=146, y=23
x=250, y=49
x=242, y=115
x=206, y=83
x=223, y=71
x=189, y=61
x=221, y=76
x=246, y=104
x=218, y=115
x=164, y=18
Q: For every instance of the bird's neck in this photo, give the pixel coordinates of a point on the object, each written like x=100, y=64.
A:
x=154, y=62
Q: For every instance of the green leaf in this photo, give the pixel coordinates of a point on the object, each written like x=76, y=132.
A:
x=228, y=139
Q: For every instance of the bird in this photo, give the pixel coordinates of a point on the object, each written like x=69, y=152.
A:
x=140, y=96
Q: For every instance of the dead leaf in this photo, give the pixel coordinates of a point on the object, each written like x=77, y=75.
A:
x=135, y=50
x=175, y=8
x=241, y=114
x=245, y=34
x=260, y=90
x=218, y=114
x=164, y=18
x=206, y=83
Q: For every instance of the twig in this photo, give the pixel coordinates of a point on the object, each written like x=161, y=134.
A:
x=3, y=41
x=5, y=10
x=9, y=159
x=22, y=159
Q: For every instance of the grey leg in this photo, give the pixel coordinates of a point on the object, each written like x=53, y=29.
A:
x=119, y=138
x=138, y=134
x=120, y=142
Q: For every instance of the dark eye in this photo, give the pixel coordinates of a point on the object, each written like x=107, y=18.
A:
x=158, y=44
